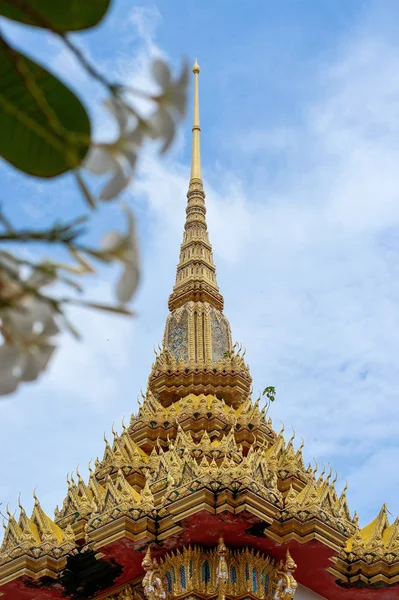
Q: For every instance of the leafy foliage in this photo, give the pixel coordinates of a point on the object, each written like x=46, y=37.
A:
x=45, y=129
x=270, y=393
x=56, y=15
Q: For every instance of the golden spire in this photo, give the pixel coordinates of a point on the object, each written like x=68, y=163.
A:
x=197, y=354
x=196, y=150
x=196, y=272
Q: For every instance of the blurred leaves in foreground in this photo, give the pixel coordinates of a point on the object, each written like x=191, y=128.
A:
x=46, y=131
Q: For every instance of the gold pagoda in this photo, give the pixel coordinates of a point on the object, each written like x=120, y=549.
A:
x=198, y=497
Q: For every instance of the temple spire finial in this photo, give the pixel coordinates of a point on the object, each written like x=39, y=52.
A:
x=196, y=273
x=196, y=150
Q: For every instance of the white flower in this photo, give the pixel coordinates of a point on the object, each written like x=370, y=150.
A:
x=118, y=158
x=27, y=347
x=124, y=248
x=172, y=99
x=174, y=93
x=162, y=126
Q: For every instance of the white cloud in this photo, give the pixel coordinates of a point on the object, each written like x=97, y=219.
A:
x=146, y=20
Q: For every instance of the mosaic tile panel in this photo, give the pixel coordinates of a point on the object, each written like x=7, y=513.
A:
x=220, y=336
x=177, y=340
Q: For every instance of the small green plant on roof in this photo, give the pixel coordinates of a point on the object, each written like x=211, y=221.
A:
x=270, y=394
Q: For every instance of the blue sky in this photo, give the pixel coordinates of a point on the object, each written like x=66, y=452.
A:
x=300, y=146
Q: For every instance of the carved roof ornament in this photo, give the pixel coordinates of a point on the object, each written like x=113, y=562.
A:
x=153, y=584
x=286, y=585
x=35, y=537
x=222, y=572
x=219, y=572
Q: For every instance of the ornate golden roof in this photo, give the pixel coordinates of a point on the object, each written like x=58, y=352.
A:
x=31, y=539
x=371, y=555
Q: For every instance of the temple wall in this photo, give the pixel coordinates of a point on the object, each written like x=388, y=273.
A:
x=304, y=593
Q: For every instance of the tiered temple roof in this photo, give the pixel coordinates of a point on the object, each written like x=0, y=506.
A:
x=199, y=460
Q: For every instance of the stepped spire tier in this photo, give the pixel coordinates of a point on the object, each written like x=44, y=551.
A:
x=198, y=497
x=197, y=354
x=196, y=273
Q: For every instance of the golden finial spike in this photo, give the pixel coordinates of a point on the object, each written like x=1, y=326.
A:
x=293, y=436
x=196, y=151
x=147, y=561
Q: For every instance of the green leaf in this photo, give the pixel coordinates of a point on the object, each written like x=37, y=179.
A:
x=56, y=15
x=45, y=130
x=270, y=393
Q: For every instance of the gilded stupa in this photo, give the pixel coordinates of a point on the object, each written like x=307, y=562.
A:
x=198, y=497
